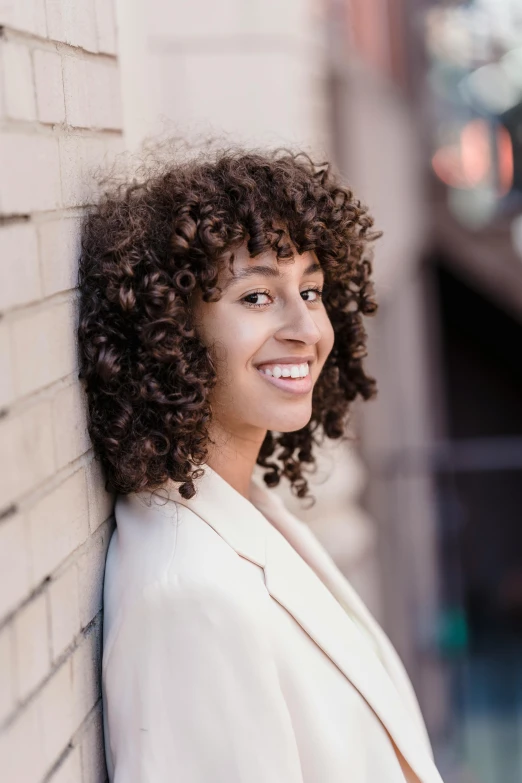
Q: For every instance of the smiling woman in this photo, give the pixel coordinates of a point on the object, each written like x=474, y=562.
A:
x=170, y=369
x=221, y=326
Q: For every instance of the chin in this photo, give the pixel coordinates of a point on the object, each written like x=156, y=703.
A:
x=290, y=422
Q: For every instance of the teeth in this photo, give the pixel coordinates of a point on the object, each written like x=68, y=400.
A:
x=287, y=371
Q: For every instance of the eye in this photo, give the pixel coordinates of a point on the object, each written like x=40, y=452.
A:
x=255, y=294
x=316, y=291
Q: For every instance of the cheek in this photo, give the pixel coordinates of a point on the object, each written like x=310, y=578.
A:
x=235, y=341
x=244, y=346
x=327, y=337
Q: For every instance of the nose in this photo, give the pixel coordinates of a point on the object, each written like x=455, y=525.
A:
x=299, y=323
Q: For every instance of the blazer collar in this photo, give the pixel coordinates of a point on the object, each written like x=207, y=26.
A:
x=296, y=575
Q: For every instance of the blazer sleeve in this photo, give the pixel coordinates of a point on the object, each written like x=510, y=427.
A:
x=191, y=692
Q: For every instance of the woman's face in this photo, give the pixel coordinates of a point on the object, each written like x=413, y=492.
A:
x=269, y=315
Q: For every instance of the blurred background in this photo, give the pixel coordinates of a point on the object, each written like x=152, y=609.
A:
x=419, y=105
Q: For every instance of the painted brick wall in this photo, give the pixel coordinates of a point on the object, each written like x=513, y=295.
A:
x=60, y=114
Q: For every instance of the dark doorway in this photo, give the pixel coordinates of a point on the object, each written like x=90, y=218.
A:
x=479, y=480
x=482, y=350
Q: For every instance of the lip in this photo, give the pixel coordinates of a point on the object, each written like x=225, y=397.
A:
x=287, y=360
x=292, y=385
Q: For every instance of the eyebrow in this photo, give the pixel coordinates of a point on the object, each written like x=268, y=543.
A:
x=267, y=271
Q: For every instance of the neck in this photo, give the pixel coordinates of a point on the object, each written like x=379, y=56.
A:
x=234, y=455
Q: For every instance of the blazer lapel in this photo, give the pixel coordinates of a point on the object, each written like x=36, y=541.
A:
x=304, y=542
x=294, y=583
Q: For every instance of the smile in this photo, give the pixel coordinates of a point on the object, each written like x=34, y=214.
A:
x=292, y=385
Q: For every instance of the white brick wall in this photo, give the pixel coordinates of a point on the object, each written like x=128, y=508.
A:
x=48, y=81
x=64, y=611
x=6, y=378
x=7, y=667
x=30, y=166
x=28, y=16
x=15, y=579
x=56, y=703
x=70, y=771
x=92, y=94
x=60, y=118
x=59, y=247
x=43, y=347
x=26, y=450
x=19, y=244
x=31, y=640
x=73, y=22
x=18, y=85
x=57, y=525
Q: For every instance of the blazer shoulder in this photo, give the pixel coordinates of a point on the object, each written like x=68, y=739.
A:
x=182, y=610
x=166, y=542
x=175, y=560
x=202, y=554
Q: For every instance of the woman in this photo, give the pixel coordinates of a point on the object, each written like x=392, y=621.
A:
x=220, y=330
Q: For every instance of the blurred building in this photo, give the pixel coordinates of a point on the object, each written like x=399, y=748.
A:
x=442, y=445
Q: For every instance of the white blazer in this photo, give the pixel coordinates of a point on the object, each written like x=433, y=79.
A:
x=235, y=651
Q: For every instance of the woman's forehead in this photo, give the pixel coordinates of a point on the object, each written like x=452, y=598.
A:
x=243, y=266
x=240, y=258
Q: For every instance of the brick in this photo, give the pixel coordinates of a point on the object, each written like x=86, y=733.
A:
x=70, y=770
x=59, y=253
x=92, y=750
x=19, y=251
x=105, y=26
x=92, y=93
x=28, y=15
x=91, y=566
x=3, y=110
x=86, y=675
x=73, y=22
x=57, y=712
x=26, y=451
x=44, y=347
x=57, y=525
x=7, y=666
x=6, y=366
x=21, y=749
x=15, y=582
x=71, y=438
x=18, y=86
x=101, y=502
x=48, y=79
x=64, y=611
x=30, y=168
x=31, y=636
x=81, y=159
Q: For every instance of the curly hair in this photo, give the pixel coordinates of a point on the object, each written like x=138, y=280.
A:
x=145, y=247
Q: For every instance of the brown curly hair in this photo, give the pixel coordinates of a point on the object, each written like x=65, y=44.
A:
x=146, y=245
